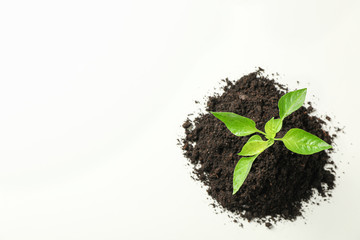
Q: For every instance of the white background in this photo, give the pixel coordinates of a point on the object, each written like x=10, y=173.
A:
x=93, y=93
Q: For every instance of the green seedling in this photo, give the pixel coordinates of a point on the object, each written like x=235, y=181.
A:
x=296, y=140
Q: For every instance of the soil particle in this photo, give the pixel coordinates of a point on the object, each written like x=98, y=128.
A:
x=280, y=181
x=187, y=124
x=268, y=225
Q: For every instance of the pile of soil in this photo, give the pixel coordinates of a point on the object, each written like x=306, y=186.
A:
x=280, y=181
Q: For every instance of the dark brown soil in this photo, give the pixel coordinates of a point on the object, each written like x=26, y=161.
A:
x=280, y=181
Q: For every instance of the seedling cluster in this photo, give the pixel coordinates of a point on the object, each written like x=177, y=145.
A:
x=296, y=140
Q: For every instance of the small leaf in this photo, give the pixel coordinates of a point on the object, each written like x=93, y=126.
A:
x=272, y=127
x=291, y=102
x=241, y=171
x=238, y=125
x=302, y=142
x=254, y=147
x=254, y=137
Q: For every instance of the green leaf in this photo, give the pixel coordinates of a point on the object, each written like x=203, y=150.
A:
x=241, y=171
x=238, y=125
x=291, y=102
x=254, y=147
x=272, y=127
x=243, y=167
x=302, y=142
x=254, y=137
